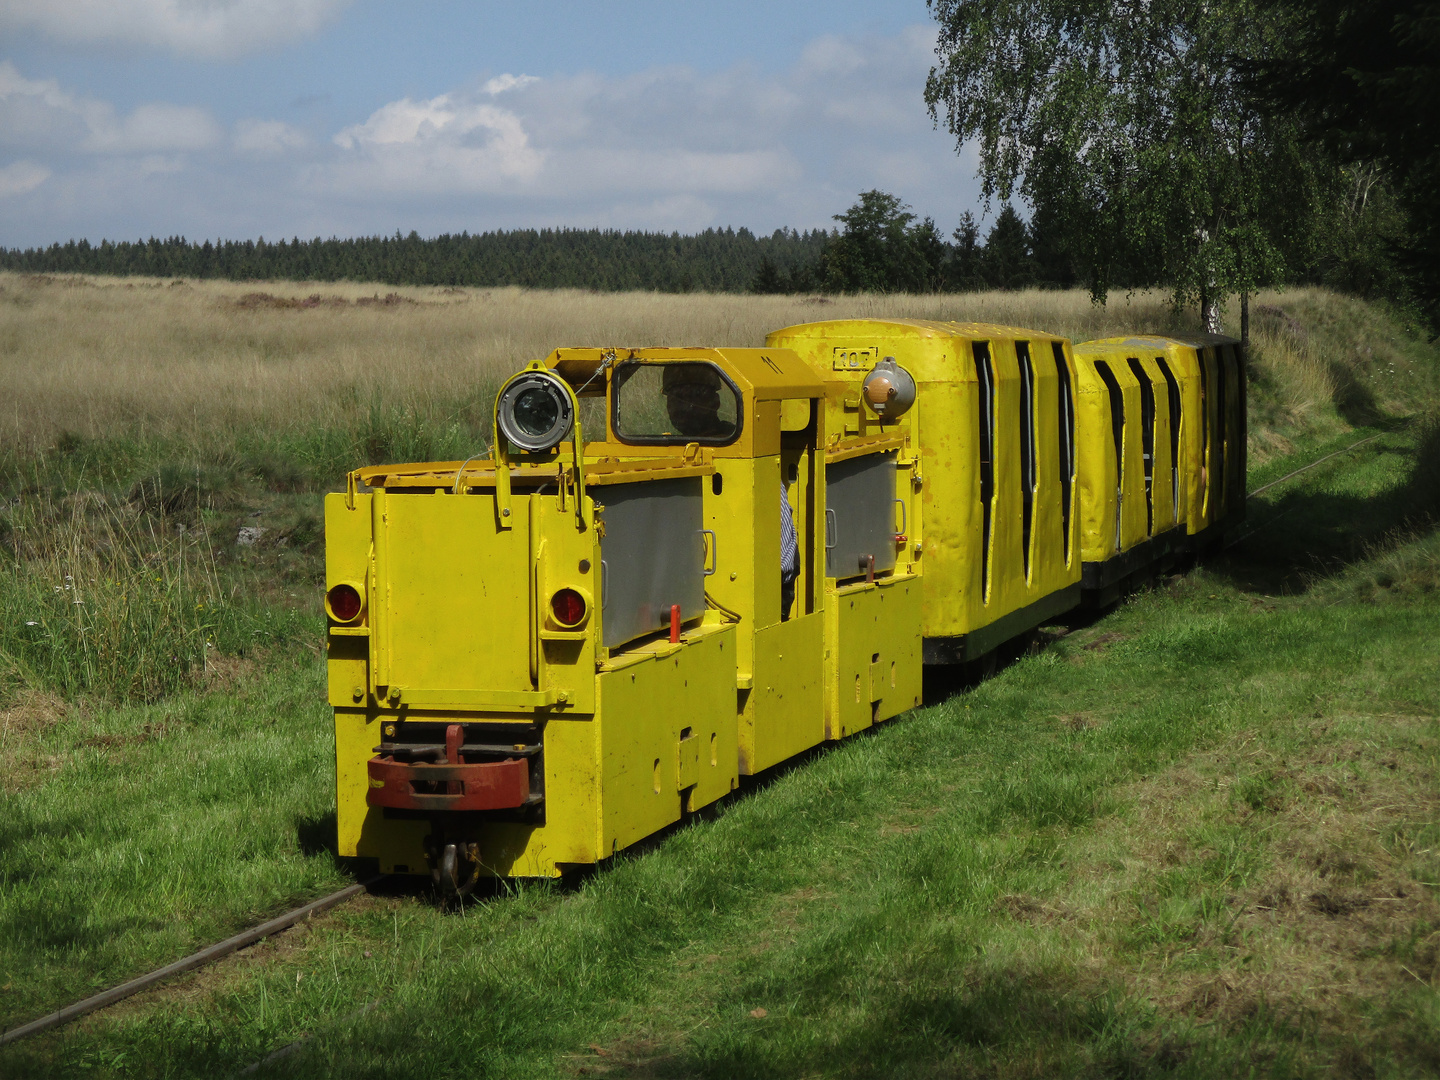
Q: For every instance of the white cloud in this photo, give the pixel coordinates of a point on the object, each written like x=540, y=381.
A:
x=211, y=28
x=445, y=144
x=662, y=148
x=664, y=144
x=155, y=127
x=501, y=83
x=267, y=138
x=38, y=114
x=21, y=177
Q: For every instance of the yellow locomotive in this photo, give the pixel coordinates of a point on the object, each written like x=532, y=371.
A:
x=541, y=656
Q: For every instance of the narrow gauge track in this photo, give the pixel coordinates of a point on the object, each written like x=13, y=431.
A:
x=1290, y=476
x=1317, y=461
x=205, y=956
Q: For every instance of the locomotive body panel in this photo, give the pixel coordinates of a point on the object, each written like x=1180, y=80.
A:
x=668, y=740
x=782, y=710
x=873, y=669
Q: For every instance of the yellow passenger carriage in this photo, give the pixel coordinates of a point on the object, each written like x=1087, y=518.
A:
x=1162, y=454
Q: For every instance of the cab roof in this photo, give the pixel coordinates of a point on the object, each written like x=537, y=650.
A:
x=761, y=374
x=1156, y=341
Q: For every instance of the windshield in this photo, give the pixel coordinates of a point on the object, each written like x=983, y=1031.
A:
x=674, y=403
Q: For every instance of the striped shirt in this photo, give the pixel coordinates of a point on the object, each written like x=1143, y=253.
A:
x=789, y=547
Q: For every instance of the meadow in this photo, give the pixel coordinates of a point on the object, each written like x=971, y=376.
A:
x=1196, y=834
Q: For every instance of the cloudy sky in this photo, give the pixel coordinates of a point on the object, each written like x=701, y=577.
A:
x=240, y=118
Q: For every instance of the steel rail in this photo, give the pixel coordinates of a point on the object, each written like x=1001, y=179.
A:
x=304, y=1041
x=1317, y=461
x=189, y=963
x=1303, y=468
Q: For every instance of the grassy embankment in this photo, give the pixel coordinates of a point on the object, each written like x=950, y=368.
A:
x=1198, y=834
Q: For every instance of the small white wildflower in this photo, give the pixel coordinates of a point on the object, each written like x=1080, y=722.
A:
x=31, y=622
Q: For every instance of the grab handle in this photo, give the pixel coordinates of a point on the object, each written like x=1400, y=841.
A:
x=714, y=551
x=604, y=584
x=903, y=519
x=832, y=529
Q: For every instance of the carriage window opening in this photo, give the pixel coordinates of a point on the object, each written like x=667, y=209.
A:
x=674, y=404
x=1172, y=396
x=1027, y=448
x=1147, y=437
x=1221, y=426
x=985, y=384
x=1117, y=434
x=1067, y=440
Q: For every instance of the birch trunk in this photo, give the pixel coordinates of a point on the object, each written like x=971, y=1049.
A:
x=1210, y=313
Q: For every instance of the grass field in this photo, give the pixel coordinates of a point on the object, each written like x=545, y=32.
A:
x=1196, y=836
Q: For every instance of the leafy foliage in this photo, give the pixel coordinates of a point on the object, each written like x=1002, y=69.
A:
x=1130, y=122
x=882, y=249
x=1008, y=253
x=1364, y=79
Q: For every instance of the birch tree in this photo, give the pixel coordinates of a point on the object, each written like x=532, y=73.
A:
x=1129, y=121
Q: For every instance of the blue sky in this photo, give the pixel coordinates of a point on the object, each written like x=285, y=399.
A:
x=238, y=118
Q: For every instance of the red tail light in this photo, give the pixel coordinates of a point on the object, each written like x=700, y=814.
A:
x=344, y=603
x=568, y=607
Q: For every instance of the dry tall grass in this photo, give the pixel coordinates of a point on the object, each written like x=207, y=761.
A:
x=98, y=356
x=202, y=361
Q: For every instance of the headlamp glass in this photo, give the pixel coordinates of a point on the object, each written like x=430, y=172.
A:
x=535, y=412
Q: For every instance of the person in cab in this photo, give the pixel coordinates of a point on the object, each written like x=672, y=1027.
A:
x=692, y=401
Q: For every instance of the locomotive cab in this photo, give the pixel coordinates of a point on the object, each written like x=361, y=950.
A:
x=988, y=453
x=540, y=656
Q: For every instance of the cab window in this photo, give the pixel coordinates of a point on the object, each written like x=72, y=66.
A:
x=674, y=403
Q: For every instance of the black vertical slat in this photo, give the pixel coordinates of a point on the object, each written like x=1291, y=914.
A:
x=985, y=376
x=1027, y=447
x=1066, y=418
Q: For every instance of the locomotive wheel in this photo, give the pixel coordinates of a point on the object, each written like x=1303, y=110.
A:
x=456, y=874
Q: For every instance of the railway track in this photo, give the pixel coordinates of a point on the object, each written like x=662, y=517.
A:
x=1313, y=464
x=195, y=960
x=1290, y=476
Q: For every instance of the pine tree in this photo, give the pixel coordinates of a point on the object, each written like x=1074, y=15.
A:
x=1007, y=261
x=967, y=270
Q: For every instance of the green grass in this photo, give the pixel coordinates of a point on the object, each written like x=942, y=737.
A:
x=1070, y=869
x=135, y=835
x=1197, y=836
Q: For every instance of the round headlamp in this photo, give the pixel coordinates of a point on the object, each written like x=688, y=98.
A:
x=534, y=411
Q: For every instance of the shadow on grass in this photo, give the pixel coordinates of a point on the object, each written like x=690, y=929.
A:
x=1304, y=536
x=1354, y=400
x=1003, y=1022
x=317, y=833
